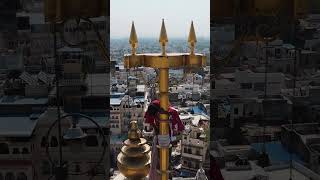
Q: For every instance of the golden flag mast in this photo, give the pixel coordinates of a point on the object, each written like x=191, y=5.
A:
x=164, y=61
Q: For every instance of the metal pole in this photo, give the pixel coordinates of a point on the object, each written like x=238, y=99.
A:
x=164, y=125
x=57, y=72
x=265, y=97
x=291, y=124
x=164, y=103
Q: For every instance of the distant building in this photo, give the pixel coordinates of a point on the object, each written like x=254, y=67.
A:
x=305, y=142
x=194, y=149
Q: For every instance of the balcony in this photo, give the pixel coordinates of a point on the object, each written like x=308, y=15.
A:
x=193, y=142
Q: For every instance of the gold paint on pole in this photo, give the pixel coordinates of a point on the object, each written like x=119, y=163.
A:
x=164, y=62
x=164, y=103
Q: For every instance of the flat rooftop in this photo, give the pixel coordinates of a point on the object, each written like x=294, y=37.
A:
x=18, y=100
x=100, y=119
x=299, y=172
x=19, y=126
x=277, y=153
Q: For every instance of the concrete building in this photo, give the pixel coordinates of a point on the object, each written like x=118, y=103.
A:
x=194, y=148
x=248, y=84
x=305, y=142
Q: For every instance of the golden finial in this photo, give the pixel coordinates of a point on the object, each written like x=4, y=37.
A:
x=163, y=39
x=134, y=159
x=134, y=133
x=133, y=39
x=192, y=38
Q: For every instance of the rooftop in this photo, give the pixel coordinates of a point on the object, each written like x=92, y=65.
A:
x=19, y=126
x=101, y=119
x=18, y=100
x=299, y=172
x=277, y=153
x=115, y=101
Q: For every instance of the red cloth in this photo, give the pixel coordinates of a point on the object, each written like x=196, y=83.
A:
x=215, y=173
x=177, y=124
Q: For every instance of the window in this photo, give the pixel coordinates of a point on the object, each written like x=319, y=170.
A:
x=278, y=52
x=288, y=68
x=259, y=86
x=22, y=176
x=246, y=85
x=189, y=151
x=4, y=148
x=197, y=166
x=25, y=150
x=77, y=168
x=189, y=164
x=235, y=111
x=54, y=141
x=15, y=151
x=92, y=141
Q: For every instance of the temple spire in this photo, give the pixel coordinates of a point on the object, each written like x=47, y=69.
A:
x=133, y=39
x=192, y=39
x=163, y=39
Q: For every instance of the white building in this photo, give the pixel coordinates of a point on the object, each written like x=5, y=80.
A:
x=248, y=84
x=194, y=147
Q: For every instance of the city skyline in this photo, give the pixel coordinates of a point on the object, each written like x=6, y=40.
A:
x=148, y=21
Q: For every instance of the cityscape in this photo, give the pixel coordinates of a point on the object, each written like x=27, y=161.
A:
x=44, y=84
x=264, y=92
x=181, y=90
x=133, y=90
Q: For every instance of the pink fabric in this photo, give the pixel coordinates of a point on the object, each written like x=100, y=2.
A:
x=153, y=175
x=177, y=124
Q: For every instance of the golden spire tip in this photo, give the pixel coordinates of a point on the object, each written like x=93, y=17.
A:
x=192, y=34
x=163, y=34
x=133, y=35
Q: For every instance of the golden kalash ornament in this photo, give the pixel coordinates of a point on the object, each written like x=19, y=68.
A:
x=135, y=157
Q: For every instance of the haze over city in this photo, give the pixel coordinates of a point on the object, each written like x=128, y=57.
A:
x=177, y=14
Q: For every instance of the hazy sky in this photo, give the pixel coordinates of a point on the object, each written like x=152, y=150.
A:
x=148, y=14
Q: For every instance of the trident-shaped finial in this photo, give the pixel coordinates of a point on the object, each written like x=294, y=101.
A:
x=133, y=39
x=163, y=39
x=192, y=38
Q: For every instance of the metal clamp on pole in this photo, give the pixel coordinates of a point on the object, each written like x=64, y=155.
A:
x=166, y=172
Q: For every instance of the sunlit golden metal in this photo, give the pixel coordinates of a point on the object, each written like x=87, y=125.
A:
x=192, y=39
x=163, y=39
x=133, y=40
x=135, y=157
x=59, y=10
x=165, y=61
